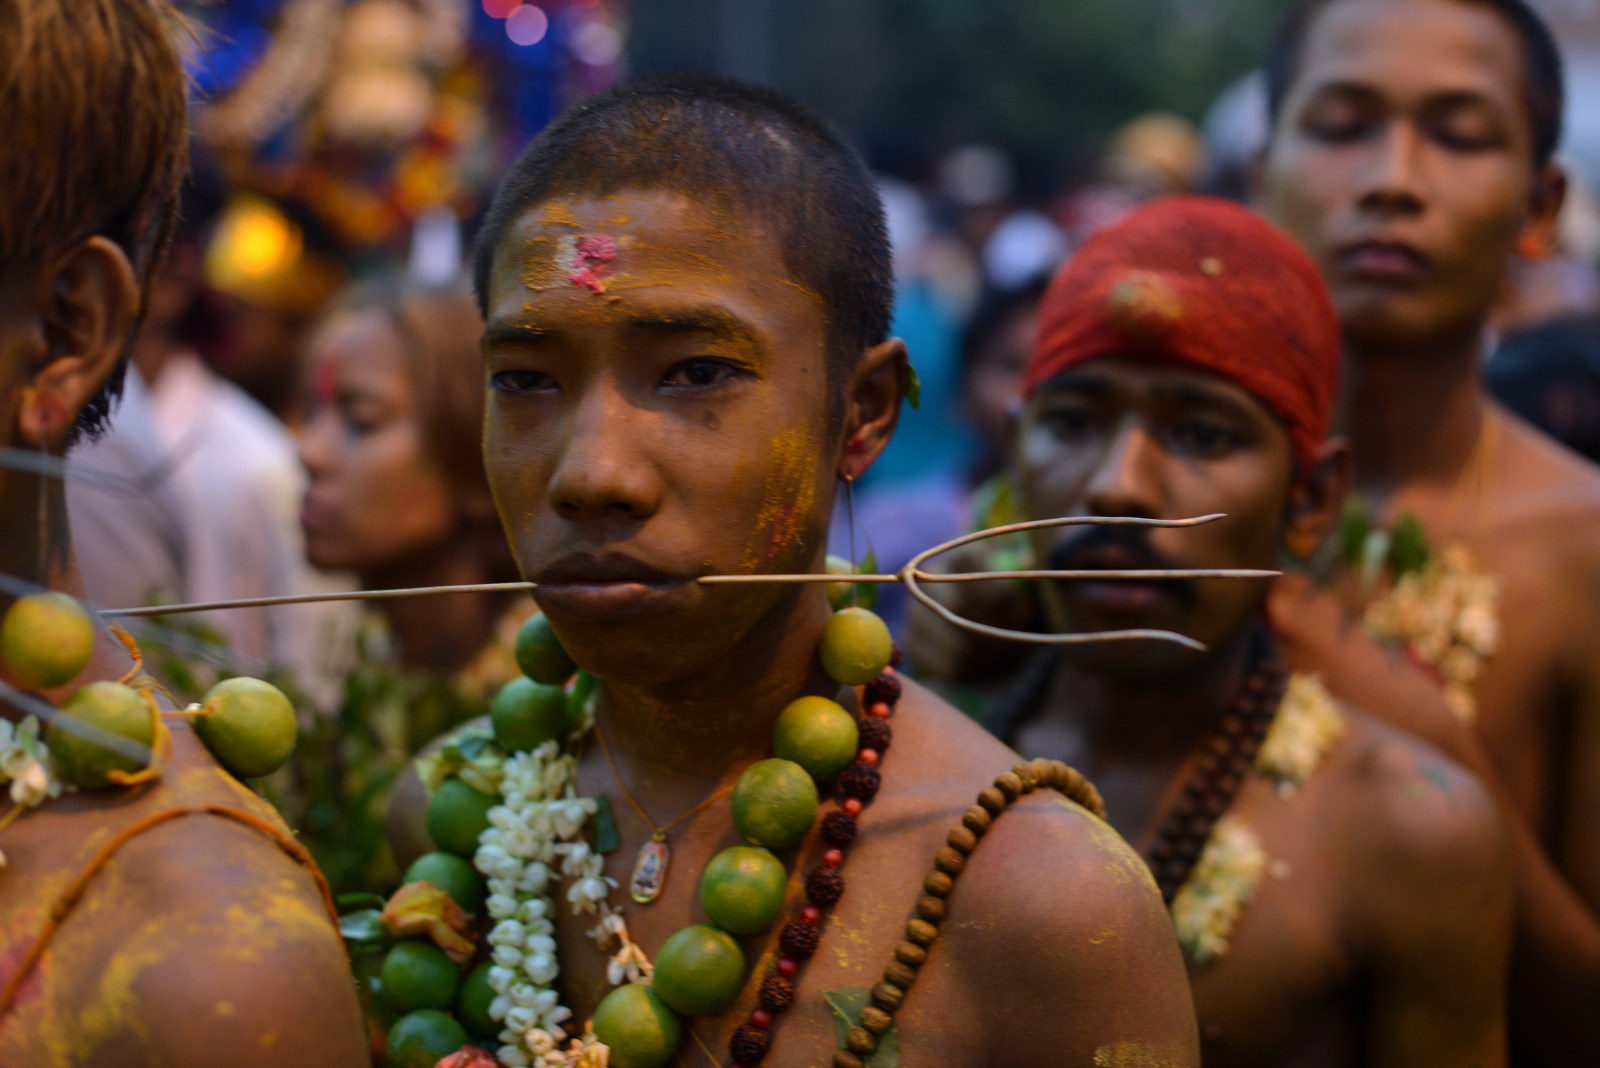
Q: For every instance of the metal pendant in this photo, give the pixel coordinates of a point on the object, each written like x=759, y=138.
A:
x=650, y=870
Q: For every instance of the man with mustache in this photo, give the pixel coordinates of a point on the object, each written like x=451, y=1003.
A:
x=1342, y=891
x=1410, y=155
x=686, y=284
x=175, y=922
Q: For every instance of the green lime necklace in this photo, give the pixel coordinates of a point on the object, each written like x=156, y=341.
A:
x=508, y=801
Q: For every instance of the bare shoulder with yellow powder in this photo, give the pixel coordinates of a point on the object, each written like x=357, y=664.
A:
x=196, y=937
x=1053, y=924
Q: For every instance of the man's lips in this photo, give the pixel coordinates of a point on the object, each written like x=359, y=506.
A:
x=603, y=585
x=1384, y=262
x=1120, y=597
x=316, y=514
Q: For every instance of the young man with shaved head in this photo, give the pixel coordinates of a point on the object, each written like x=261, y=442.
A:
x=1410, y=154
x=1341, y=890
x=173, y=923
x=686, y=285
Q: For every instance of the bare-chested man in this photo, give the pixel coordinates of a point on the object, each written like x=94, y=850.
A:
x=1410, y=155
x=687, y=290
x=135, y=929
x=1341, y=890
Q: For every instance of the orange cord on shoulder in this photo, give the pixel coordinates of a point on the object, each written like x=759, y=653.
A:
x=70, y=896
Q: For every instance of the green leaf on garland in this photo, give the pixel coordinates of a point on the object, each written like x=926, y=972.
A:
x=1374, y=557
x=1408, y=545
x=603, y=836
x=364, y=928
x=583, y=686
x=847, y=1006
x=472, y=742
x=913, y=388
x=867, y=592
x=361, y=897
x=1354, y=525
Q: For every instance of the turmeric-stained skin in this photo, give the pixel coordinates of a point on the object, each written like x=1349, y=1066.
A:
x=686, y=422
x=199, y=942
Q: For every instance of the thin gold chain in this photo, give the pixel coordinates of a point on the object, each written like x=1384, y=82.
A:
x=660, y=833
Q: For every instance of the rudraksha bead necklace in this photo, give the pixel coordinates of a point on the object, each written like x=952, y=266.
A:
x=825, y=884
x=1220, y=770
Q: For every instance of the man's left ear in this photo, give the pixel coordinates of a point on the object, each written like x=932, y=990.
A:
x=878, y=384
x=1538, y=238
x=86, y=304
x=1317, y=499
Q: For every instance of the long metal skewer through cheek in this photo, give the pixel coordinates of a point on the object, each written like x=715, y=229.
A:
x=912, y=576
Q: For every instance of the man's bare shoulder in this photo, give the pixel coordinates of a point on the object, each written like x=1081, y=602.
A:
x=223, y=942
x=1412, y=820
x=1053, y=914
x=1542, y=482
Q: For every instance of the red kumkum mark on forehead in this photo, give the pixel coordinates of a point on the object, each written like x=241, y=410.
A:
x=592, y=259
x=325, y=382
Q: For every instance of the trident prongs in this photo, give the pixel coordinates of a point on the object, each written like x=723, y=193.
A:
x=912, y=576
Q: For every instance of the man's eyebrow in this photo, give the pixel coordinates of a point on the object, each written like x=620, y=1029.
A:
x=1345, y=87
x=1195, y=394
x=693, y=320
x=1082, y=381
x=515, y=334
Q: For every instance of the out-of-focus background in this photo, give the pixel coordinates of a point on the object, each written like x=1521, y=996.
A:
x=303, y=410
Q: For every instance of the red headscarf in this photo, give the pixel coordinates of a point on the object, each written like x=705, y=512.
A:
x=1203, y=282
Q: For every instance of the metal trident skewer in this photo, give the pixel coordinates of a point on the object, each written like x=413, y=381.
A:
x=911, y=576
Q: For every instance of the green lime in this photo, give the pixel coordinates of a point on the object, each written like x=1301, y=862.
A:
x=742, y=889
x=45, y=640
x=526, y=714
x=419, y=1039
x=419, y=975
x=540, y=654
x=839, y=592
x=817, y=734
x=110, y=707
x=472, y=1005
x=457, y=814
x=449, y=873
x=249, y=726
x=699, y=971
x=641, y=1031
x=774, y=803
x=855, y=646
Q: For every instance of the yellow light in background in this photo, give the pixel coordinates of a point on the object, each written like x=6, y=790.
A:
x=261, y=241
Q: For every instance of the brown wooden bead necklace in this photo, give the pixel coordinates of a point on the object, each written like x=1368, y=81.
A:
x=922, y=930
x=1218, y=774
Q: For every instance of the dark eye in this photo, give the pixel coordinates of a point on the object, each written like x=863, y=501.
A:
x=699, y=374
x=1201, y=437
x=1465, y=133
x=520, y=382
x=1068, y=422
x=1338, y=121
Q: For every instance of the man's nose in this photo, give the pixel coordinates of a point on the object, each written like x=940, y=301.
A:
x=315, y=446
x=604, y=470
x=1127, y=481
x=1391, y=182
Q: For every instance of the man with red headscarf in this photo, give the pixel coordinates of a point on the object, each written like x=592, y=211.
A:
x=1342, y=891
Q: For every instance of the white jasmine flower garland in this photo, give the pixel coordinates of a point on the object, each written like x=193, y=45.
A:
x=535, y=834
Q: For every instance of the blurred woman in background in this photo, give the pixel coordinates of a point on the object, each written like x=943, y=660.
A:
x=397, y=495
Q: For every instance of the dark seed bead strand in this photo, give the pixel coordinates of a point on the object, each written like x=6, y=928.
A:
x=911, y=952
x=1225, y=760
x=798, y=940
